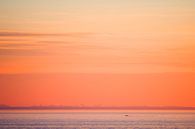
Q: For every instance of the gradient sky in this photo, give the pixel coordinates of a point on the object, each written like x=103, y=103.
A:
x=97, y=52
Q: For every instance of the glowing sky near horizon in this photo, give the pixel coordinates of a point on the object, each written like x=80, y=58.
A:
x=94, y=38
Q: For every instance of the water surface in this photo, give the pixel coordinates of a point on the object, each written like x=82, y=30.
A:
x=97, y=119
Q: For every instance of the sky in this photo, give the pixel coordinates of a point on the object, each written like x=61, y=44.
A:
x=97, y=52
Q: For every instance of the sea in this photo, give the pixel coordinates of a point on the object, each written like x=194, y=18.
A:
x=97, y=119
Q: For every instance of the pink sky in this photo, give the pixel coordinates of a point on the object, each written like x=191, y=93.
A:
x=117, y=52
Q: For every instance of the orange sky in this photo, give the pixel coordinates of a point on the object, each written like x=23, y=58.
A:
x=108, y=53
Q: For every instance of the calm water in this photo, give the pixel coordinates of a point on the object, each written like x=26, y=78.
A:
x=97, y=119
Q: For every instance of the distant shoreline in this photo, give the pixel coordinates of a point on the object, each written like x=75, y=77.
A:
x=94, y=108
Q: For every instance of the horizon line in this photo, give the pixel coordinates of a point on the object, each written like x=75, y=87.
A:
x=53, y=107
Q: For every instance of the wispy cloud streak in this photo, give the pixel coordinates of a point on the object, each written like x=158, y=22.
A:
x=26, y=34
x=21, y=52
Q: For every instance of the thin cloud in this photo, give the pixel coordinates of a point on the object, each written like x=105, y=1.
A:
x=26, y=34
x=19, y=45
x=5, y=40
x=21, y=52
